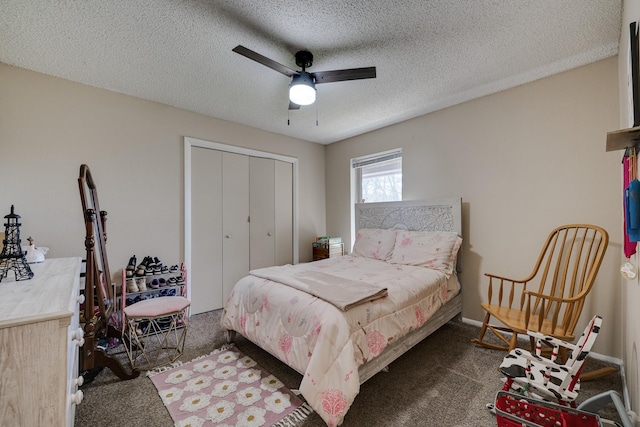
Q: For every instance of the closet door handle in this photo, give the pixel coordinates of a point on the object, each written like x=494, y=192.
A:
x=228, y=236
x=269, y=234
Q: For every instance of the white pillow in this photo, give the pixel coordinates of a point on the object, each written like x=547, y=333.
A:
x=431, y=249
x=376, y=243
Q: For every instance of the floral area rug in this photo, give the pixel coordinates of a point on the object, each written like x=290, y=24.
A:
x=226, y=388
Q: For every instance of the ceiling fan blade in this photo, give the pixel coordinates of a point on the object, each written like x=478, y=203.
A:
x=293, y=106
x=264, y=61
x=342, y=75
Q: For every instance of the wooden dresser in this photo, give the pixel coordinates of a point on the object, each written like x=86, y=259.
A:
x=40, y=337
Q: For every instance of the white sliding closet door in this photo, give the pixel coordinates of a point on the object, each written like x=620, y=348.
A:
x=235, y=220
x=284, y=212
x=205, y=277
x=262, y=252
x=271, y=211
x=241, y=218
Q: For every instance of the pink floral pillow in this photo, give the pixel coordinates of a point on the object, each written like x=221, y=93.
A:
x=431, y=249
x=376, y=243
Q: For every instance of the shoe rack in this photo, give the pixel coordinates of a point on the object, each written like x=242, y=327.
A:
x=153, y=284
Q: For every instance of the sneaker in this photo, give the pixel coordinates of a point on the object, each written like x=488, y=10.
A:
x=142, y=267
x=174, y=269
x=131, y=286
x=132, y=263
x=142, y=283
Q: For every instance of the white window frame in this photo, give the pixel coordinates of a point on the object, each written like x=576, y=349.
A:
x=356, y=175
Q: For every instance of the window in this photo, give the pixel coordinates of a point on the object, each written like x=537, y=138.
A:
x=378, y=177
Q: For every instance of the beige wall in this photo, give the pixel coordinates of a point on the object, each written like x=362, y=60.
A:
x=630, y=289
x=524, y=161
x=50, y=126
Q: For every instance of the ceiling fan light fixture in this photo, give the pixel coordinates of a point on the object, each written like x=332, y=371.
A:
x=302, y=90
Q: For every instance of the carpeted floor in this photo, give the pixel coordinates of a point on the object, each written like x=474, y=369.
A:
x=443, y=381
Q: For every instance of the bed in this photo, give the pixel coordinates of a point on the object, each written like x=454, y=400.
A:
x=341, y=320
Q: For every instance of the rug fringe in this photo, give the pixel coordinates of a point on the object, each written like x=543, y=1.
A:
x=161, y=369
x=296, y=417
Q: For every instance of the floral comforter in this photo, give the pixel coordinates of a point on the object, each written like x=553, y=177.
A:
x=321, y=341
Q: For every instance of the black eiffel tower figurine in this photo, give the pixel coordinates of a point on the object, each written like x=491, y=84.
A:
x=12, y=256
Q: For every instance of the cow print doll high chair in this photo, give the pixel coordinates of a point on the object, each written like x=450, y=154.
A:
x=547, y=378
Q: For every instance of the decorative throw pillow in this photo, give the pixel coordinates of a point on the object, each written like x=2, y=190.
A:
x=431, y=249
x=376, y=243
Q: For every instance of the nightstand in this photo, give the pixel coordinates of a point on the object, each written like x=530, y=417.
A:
x=323, y=250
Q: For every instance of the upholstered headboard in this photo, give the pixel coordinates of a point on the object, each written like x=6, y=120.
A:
x=423, y=215
x=420, y=215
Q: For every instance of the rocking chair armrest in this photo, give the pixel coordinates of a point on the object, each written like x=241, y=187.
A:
x=555, y=299
x=495, y=276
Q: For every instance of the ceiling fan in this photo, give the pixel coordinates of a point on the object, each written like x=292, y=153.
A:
x=302, y=90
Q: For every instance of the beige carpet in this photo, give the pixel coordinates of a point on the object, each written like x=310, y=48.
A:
x=443, y=381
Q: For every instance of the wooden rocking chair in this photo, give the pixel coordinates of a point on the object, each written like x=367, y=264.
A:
x=561, y=279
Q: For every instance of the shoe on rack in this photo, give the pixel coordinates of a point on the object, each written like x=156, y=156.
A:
x=131, y=267
x=157, y=266
x=142, y=267
x=172, y=281
x=174, y=268
x=132, y=286
x=132, y=263
x=148, y=271
x=142, y=283
x=155, y=284
x=164, y=269
x=162, y=282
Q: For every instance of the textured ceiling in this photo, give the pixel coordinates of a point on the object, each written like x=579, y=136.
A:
x=429, y=54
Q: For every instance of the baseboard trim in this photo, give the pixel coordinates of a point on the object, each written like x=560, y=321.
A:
x=597, y=356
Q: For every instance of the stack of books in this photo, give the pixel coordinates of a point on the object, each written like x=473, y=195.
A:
x=326, y=241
